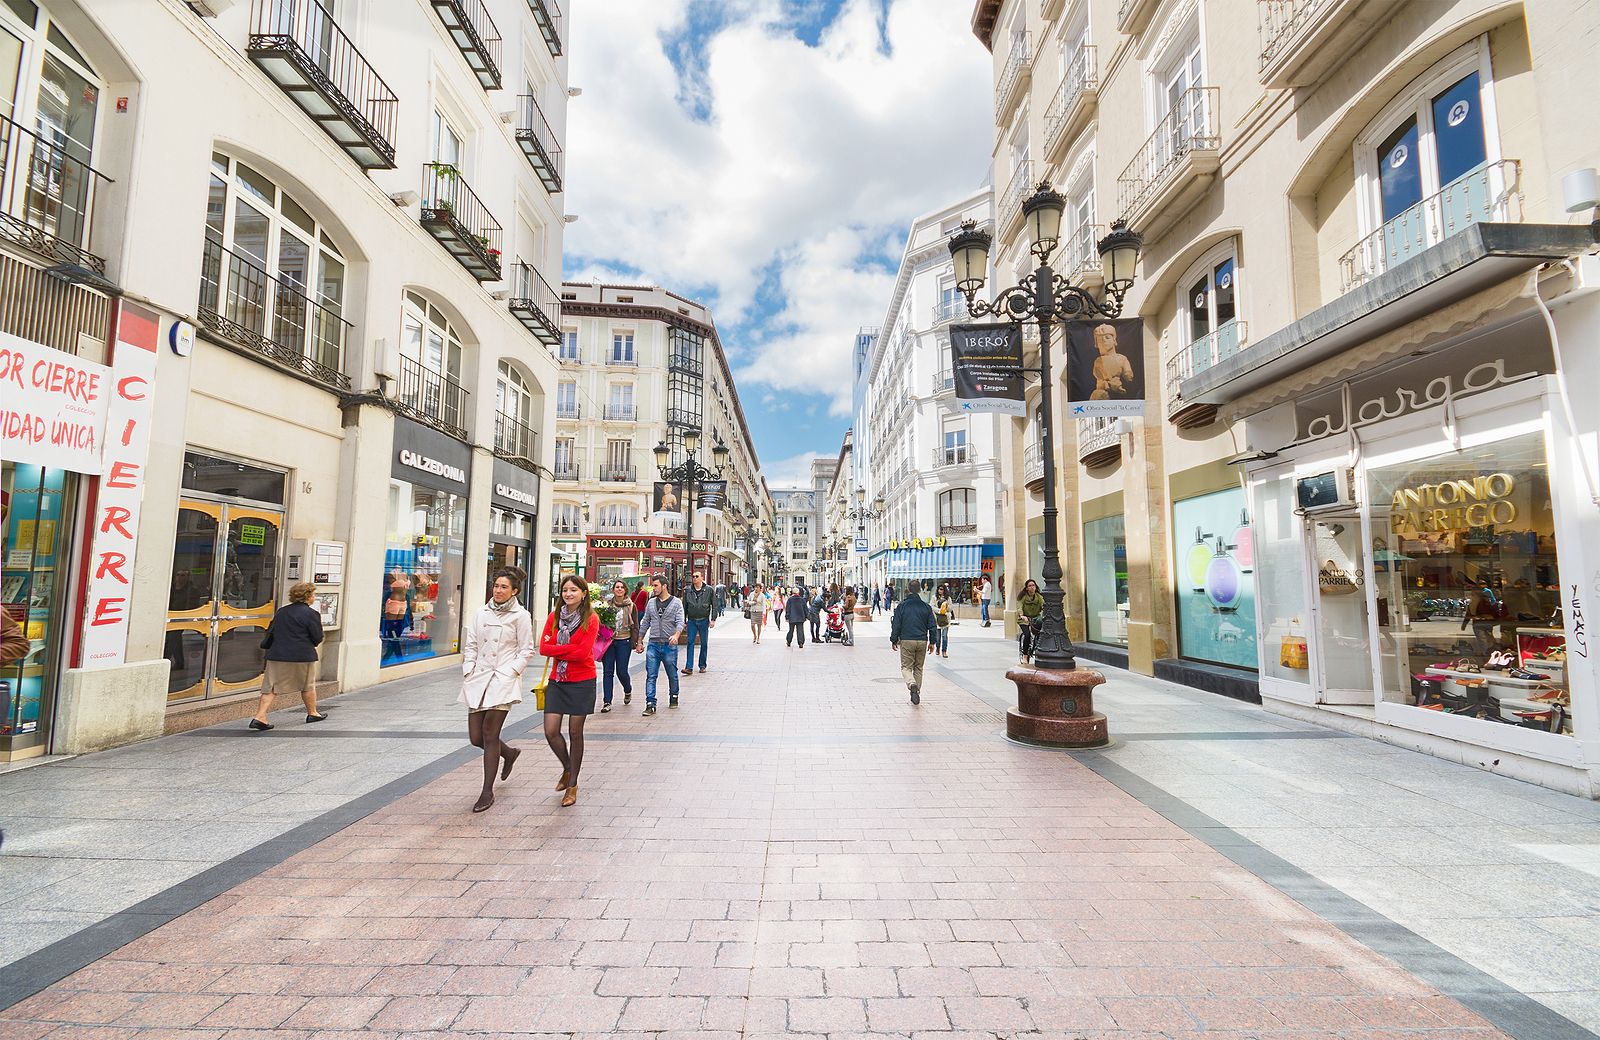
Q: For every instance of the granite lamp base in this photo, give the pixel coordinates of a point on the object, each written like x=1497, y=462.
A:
x=1056, y=709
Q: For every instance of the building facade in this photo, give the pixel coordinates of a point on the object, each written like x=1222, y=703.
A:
x=799, y=525
x=1367, y=290
x=937, y=468
x=316, y=302
x=642, y=366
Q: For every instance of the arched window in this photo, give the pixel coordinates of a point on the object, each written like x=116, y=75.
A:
x=565, y=518
x=1208, y=303
x=513, y=407
x=619, y=516
x=49, y=101
x=272, y=279
x=958, y=511
x=430, y=364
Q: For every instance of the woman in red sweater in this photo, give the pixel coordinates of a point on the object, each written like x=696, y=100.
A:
x=568, y=639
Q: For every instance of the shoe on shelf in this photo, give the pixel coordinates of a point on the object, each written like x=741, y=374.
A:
x=258, y=725
x=649, y=710
x=1523, y=673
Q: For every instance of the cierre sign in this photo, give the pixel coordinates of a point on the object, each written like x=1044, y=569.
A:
x=1454, y=505
x=427, y=465
x=52, y=407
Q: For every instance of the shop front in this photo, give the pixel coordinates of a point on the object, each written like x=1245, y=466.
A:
x=1425, y=581
x=425, y=545
x=633, y=556
x=513, y=519
x=1105, y=571
x=934, y=561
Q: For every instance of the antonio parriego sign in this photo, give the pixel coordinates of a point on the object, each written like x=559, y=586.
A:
x=986, y=363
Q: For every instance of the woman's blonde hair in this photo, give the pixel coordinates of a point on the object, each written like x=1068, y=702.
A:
x=301, y=592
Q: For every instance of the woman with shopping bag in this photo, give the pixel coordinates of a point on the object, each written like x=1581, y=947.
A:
x=495, y=648
x=568, y=640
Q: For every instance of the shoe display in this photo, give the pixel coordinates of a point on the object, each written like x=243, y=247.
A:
x=1523, y=673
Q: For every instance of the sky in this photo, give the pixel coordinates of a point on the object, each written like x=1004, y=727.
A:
x=766, y=158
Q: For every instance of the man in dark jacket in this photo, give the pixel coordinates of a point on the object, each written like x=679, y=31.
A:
x=912, y=632
x=794, y=612
x=699, y=601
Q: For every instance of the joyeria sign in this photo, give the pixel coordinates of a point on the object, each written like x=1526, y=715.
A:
x=1455, y=505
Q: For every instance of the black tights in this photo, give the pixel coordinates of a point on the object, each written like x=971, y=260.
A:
x=483, y=729
x=571, y=755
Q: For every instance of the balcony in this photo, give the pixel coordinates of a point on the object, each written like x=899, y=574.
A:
x=1014, y=79
x=569, y=410
x=944, y=382
x=1175, y=166
x=539, y=143
x=684, y=417
x=475, y=35
x=547, y=16
x=565, y=470
x=1074, y=104
x=1033, y=468
x=618, y=474
x=1134, y=15
x=1492, y=193
x=1303, y=40
x=955, y=455
x=685, y=363
x=958, y=528
x=245, y=306
x=622, y=526
x=1099, y=441
x=535, y=304
x=1195, y=358
x=622, y=360
x=455, y=216
x=621, y=413
x=515, y=441
x=301, y=48
x=431, y=397
x=1017, y=190
x=1079, y=259
x=951, y=309
x=46, y=202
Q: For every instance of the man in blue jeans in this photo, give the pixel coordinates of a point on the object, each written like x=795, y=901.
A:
x=699, y=603
x=660, y=629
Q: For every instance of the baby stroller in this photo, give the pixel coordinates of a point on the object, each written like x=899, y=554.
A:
x=834, y=630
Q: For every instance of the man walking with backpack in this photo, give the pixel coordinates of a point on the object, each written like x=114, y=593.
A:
x=912, y=631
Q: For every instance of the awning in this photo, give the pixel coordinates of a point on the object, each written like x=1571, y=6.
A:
x=952, y=561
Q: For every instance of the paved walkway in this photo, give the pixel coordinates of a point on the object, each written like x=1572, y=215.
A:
x=795, y=850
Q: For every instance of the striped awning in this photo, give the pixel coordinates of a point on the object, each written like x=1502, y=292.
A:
x=952, y=561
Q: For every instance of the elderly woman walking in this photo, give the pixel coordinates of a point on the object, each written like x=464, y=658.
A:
x=569, y=635
x=756, y=611
x=495, y=649
x=291, y=644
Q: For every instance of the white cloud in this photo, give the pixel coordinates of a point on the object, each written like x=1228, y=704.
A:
x=811, y=164
x=794, y=471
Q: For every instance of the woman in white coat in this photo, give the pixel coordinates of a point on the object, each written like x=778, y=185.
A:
x=495, y=649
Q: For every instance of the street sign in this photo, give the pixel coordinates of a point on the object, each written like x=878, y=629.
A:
x=861, y=546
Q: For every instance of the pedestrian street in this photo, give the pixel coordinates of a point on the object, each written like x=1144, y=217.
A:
x=795, y=849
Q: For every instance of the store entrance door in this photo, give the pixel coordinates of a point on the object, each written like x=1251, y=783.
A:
x=1339, y=611
x=224, y=592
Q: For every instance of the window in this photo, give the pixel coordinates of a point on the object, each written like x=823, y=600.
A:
x=513, y=405
x=955, y=445
x=619, y=460
x=430, y=361
x=619, y=401
x=566, y=455
x=800, y=526
x=958, y=510
x=269, y=267
x=622, y=349
x=1082, y=249
x=565, y=518
x=1105, y=580
x=446, y=142
x=566, y=400
x=1179, y=104
x=618, y=516
x=569, y=345
x=1213, y=548
x=1210, y=308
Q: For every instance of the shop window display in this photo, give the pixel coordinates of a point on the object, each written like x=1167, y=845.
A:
x=1281, y=590
x=423, y=565
x=1105, y=580
x=35, y=502
x=1468, y=595
x=1216, y=578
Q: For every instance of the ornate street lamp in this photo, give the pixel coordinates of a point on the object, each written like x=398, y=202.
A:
x=1048, y=298
x=688, y=473
x=861, y=514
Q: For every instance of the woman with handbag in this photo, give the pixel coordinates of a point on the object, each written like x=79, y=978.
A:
x=568, y=639
x=942, y=609
x=1031, y=606
x=755, y=609
x=495, y=648
x=615, y=659
x=291, y=644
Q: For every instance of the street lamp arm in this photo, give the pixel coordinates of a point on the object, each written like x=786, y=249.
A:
x=1045, y=295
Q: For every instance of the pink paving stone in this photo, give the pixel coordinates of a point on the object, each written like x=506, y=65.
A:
x=336, y=1013
x=414, y=1013
x=903, y=1014
x=658, y=1013
x=826, y=1014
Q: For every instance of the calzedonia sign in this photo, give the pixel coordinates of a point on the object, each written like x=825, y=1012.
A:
x=423, y=455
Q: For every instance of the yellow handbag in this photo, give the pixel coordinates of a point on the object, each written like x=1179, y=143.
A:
x=1292, y=652
x=539, y=687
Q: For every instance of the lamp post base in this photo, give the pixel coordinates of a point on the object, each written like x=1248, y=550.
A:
x=1056, y=709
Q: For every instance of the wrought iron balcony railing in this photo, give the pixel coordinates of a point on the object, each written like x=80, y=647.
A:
x=535, y=303
x=243, y=304
x=1282, y=21
x=47, y=199
x=944, y=381
x=624, y=474
x=475, y=35
x=547, y=16
x=1018, y=188
x=621, y=413
x=515, y=440
x=952, y=309
x=967, y=528
x=568, y=410
x=677, y=362
x=460, y=221
x=1080, y=250
x=956, y=455
x=1190, y=126
x=1032, y=464
x=566, y=470
x=432, y=397
x=539, y=143
x=1491, y=192
x=1099, y=439
x=615, y=358
x=1080, y=79
x=1019, y=63
x=1222, y=343
x=301, y=48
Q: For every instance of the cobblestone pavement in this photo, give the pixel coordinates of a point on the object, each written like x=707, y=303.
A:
x=795, y=850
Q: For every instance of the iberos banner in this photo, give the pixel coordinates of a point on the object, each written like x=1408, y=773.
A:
x=52, y=407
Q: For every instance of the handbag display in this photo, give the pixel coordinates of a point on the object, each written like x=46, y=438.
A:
x=1293, y=652
x=540, y=686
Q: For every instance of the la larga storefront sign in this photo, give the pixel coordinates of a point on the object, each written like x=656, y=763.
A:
x=52, y=407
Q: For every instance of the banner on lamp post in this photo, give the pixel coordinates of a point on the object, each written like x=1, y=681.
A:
x=1105, y=364
x=986, y=366
x=667, y=499
x=711, y=496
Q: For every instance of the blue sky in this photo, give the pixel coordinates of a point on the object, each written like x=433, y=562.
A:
x=765, y=157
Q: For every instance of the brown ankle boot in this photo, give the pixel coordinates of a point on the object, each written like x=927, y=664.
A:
x=571, y=797
x=564, y=782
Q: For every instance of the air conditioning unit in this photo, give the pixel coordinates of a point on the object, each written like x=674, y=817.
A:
x=213, y=8
x=1332, y=489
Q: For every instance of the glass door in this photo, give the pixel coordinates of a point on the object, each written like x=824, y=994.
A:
x=223, y=594
x=1342, y=663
